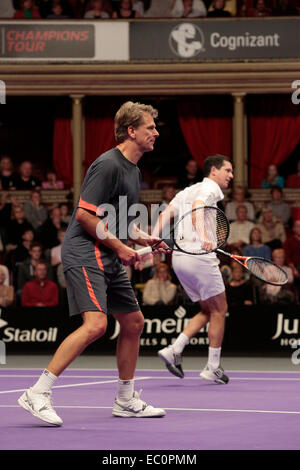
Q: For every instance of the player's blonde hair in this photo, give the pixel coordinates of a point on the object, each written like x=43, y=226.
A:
x=131, y=114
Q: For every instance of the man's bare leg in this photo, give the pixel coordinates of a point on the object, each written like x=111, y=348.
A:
x=216, y=307
x=37, y=399
x=196, y=324
x=128, y=402
x=93, y=327
x=131, y=326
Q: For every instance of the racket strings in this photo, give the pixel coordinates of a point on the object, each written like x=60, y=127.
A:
x=267, y=271
x=201, y=231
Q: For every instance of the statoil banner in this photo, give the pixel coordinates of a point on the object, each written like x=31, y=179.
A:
x=266, y=328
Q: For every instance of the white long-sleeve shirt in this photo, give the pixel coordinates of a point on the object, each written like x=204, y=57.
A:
x=156, y=291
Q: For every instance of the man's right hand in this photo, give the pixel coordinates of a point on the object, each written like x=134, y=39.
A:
x=128, y=256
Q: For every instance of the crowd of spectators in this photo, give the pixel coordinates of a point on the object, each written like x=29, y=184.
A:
x=127, y=9
x=31, y=236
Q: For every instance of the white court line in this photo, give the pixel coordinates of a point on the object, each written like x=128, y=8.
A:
x=209, y=410
x=268, y=379
x=159, y=370
x=16, y=376
x=76, y=385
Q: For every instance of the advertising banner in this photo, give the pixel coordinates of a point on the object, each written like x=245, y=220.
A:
x=273, y=328
x=201, y=40
x=67, y=41
x=196, y=40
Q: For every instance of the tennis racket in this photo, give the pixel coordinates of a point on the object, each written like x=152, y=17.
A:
x=206, y=229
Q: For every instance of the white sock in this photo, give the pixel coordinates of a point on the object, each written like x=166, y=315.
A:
x=214, y=355
x=180, y=343
x=125, y=389
x=45, y=382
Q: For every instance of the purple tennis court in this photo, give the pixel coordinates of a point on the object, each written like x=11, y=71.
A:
x=256, y=410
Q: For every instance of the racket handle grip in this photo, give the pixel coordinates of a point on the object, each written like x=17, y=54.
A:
x=144, y=251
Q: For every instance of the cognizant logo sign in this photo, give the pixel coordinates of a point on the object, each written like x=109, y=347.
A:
x=186, y=40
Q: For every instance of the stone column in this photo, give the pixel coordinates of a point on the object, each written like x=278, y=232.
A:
x=78, y=148
x=239, y=140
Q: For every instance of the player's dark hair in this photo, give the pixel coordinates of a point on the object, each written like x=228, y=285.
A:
x=215, y=160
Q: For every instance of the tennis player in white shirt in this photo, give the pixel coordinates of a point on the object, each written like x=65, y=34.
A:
x=200, y=275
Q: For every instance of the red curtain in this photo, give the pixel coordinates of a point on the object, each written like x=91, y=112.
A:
x=63, y=150
x=274, y=133
x=207, y=126
x=99, y=132
x=99, y=137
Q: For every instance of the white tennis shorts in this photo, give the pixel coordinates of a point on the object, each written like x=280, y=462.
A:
x=200, y=276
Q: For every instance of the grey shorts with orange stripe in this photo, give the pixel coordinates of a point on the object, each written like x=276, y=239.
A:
x=90, y=289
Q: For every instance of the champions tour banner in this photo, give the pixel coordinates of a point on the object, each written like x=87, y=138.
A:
x=147, y=40
x=249, y=329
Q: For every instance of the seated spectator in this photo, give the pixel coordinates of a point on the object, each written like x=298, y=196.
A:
x=192, y=174
x=240, y=229
x=280, y=208
x=57, y=12
x=272, y=231
x=239, y=291
x=15, y=228
x=51, y=181
x=260, y=9
x=145, y=269
x=293, y=181
x=57, y=265
x=47, y=233
x=139, y=6
x=278, y=256
x=188, y=9
x=160, y=290
x=7, y=294
x=256, y=247
x=35, y=212
x=272, y=178
x=40, y=292
x=7, y=174
x=19, y=254
x=27, y=267
x=232, y=6
x=218, y=10
x=28, y=11
x=159, y=9
x=239, y=199
x=64, y=212
x=6, y=9
x=4, y=269
x=284, y=8
x=125, y=10
x=96, y=11
x=56, y=250
x=6, y=204
x=292, y=251
x=25, y=180
x=168, y=193
x=279, y=294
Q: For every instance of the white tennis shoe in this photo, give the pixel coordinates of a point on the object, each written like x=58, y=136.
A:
x=215, y=375
x=40, y=406
x=172, y=361
x=136, y=408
